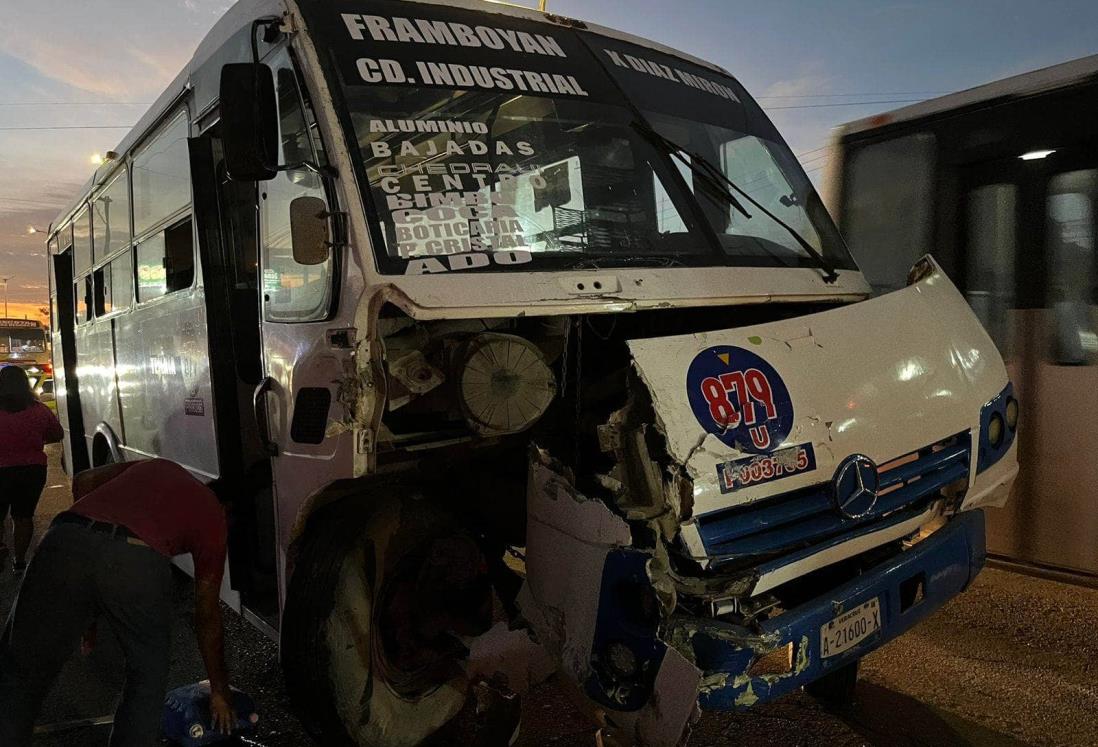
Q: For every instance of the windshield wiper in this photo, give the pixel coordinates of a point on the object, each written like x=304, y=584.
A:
x=720, y=185
x=640, y=260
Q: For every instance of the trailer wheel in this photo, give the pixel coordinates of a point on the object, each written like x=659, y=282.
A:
x=375, y=611
x=835, y=690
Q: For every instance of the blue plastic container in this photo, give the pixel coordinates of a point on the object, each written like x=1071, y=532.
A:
x=186, y=717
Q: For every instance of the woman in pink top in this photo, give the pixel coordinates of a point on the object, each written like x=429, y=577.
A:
x=26, y=425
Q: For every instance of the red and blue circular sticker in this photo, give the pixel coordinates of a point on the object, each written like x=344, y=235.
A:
x=739, y=398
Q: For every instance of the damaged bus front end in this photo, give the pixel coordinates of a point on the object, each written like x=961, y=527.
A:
x=784, y=498
x=605, y=368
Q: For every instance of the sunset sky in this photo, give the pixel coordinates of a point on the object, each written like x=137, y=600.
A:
x=74, y=75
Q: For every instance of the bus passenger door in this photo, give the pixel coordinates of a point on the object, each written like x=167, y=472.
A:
x=66, y=385
x=226, y=219
x=302, y=365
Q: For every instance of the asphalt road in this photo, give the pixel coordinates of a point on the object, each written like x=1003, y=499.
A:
x=1010, y=662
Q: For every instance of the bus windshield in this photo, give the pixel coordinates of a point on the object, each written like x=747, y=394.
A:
x=22, y=340
x=492, y=142
x=564, y=182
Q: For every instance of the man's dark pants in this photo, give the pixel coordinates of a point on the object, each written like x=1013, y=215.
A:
x=76, y=576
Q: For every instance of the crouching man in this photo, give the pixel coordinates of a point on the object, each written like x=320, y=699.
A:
x=109, y=557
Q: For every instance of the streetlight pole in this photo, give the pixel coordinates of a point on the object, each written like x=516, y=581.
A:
x=5, y=281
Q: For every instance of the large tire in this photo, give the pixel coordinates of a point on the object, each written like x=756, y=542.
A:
x=379, y=597
x=835, y=690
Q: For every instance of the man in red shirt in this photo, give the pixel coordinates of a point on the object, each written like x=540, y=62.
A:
x=109, y=556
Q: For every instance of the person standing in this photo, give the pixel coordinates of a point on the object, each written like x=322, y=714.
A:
x=26, y=426
x=110, y=556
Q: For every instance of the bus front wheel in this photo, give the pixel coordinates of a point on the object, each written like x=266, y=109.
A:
x=378, y=604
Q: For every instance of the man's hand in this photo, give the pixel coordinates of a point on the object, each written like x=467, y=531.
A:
x=221, y=711
x=211, y=643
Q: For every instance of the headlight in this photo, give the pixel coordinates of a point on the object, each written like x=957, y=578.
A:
x=998, y=426
x=995, y=431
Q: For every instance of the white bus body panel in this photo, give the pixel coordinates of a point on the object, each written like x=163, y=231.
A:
x=164, y=382
x=96, y=371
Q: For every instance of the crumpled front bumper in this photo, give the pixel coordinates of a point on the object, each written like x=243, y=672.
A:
x=592, y=599
x=945, y=563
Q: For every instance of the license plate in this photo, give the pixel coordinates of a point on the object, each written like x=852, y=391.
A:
x=850, y=628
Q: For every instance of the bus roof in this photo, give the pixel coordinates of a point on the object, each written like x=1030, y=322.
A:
x=240, y=16
x=1026, y=84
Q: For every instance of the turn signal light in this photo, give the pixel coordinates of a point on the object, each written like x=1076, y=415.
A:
x=1012, y=414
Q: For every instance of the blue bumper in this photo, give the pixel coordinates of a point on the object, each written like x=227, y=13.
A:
x=941, y=566
x=630, y=639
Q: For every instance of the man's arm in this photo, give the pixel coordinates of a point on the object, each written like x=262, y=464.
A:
x=211, y=643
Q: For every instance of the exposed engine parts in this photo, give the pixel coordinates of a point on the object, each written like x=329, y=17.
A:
x=504, y=384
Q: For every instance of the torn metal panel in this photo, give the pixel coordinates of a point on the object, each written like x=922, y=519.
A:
x=667, y=717
x=568, y=539
x=645, y=484
x=585, y=599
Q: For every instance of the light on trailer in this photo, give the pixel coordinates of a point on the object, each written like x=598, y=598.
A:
x=1036, y=155
x=96, y=159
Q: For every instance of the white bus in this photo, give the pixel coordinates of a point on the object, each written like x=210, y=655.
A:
x=1000, y=183
x=425, y=289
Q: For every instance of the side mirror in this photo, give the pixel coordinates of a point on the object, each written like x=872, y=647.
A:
x=249, y=121
x=309, y=230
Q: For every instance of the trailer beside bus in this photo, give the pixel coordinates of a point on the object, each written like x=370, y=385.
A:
x=1000, y=184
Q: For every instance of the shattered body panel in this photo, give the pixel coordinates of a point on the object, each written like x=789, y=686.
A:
x=572, y=540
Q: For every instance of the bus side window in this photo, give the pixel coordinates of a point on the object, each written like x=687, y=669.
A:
x=888, y=207
x=161, y=201
x=1071, y=282
x=111, y=216
x=81, y=241
x=121, y=282
x=161, y=176
x=165, y=262
x=292, y=292
x=990, y=228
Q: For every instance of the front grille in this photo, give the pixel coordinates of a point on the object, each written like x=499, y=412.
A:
x=801, y=518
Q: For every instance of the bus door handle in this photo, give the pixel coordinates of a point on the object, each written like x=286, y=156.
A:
x=259, y=407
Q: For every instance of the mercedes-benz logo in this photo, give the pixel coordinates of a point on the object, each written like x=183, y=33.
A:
x=855, y=486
